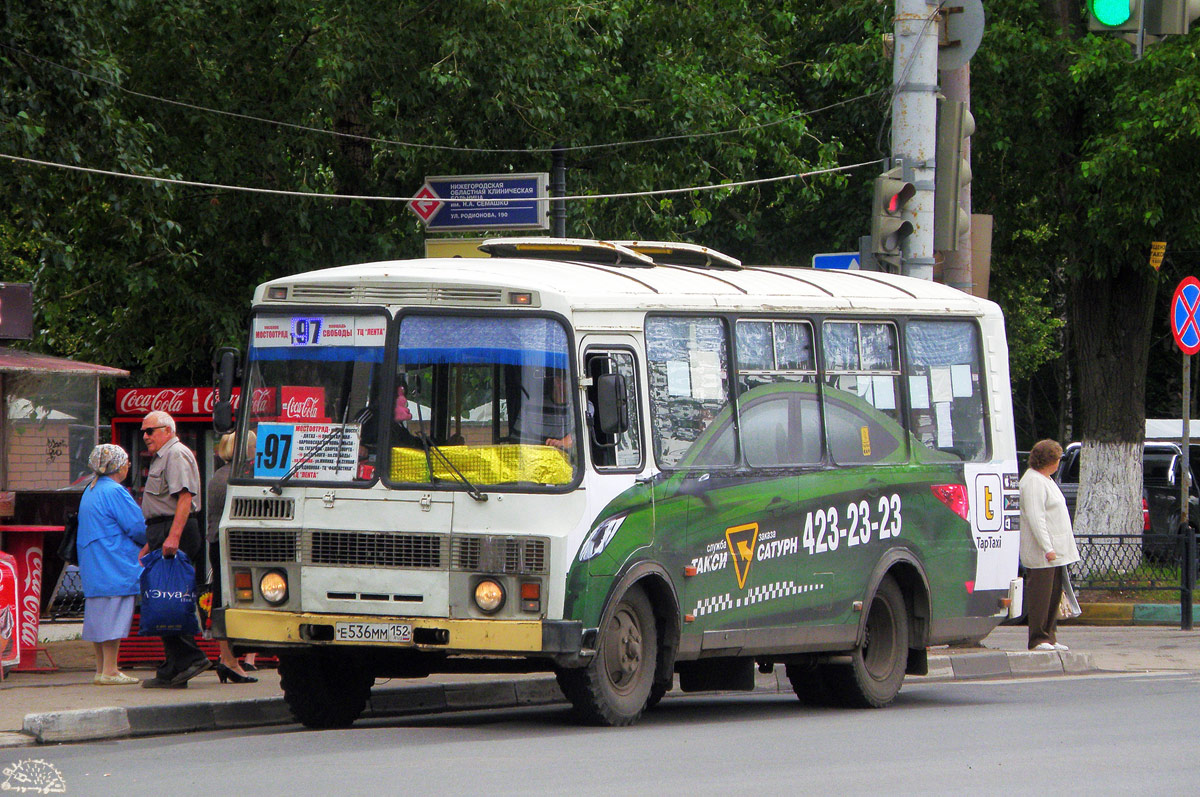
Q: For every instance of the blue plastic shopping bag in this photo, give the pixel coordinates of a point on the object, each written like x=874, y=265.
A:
x=168, y=596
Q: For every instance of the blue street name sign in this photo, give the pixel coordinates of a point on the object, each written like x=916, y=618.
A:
x=484, y=202
x=842, y=260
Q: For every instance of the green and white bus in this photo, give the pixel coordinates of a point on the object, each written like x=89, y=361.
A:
x=618, y=461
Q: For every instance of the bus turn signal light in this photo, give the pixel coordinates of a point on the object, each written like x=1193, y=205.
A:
x=531, y=596
x=242, y=585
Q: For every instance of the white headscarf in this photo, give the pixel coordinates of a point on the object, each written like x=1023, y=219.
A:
x=106, y=459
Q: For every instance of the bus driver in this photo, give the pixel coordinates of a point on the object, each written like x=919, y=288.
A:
x=549, y=422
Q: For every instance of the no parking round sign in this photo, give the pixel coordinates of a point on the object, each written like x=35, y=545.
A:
x=1185, y=316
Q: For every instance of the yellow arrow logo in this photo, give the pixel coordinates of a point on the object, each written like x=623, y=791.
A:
x=741, y=541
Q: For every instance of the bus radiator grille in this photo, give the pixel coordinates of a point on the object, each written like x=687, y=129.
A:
x=262, y=509
x=376, y=549
x=254, y=545
x=483, y=554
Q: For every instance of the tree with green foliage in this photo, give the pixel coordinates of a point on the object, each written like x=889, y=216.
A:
x=153, y=276
x=1083, y=157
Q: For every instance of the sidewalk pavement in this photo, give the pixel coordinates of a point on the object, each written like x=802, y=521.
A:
x=64, y=705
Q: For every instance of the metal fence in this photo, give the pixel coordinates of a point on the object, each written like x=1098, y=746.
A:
x=1158, y=563
x=1130, y=562
x=66, y=601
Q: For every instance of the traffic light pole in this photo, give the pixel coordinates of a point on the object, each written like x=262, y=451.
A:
x=1139, y=46
x=956, y=264
x=914, y=124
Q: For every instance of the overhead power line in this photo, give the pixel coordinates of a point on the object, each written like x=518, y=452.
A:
x=442, y=147
x=368, y=198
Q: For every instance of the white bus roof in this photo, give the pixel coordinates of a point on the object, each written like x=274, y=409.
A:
x=484, y=282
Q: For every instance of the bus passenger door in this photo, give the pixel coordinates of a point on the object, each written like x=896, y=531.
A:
x=614, y=483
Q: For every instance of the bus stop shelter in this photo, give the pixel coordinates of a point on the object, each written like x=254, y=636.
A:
x=50, y=426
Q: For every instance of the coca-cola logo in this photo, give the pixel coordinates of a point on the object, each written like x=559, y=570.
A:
x=173, y=400
x=141, y=401
x=261, y=404
x=302, y=408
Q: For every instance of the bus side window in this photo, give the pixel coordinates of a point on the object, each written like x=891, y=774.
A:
x=776, y=361
x=945, y=387
x=623, y=451
x=861, y=399
x=688, y=365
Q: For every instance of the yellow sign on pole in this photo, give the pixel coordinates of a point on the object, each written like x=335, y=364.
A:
x=453, y=247
x=1157, y=250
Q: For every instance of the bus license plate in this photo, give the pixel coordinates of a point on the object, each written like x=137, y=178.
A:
x=372, y=632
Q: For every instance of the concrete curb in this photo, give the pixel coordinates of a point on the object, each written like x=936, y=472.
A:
x=1160, y=613
x=113, y=723
x=398, y=701
x=1008, y=664
x=1103, y=614
x=1129, y=614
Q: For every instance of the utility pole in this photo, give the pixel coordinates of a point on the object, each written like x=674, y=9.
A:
x=914, y=115
x=558, y=189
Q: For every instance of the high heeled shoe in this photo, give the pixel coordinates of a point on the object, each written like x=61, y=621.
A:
x=226, y=674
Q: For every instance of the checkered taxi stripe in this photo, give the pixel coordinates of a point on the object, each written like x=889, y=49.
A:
x=759, y=594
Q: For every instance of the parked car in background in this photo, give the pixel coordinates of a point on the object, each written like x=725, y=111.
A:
x=1161, y=472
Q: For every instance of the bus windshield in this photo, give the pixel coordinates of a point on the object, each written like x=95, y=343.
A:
x=311, y=376
x=487, y=399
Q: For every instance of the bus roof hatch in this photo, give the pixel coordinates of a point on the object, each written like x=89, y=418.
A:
x=671, y=253
x=576, y=249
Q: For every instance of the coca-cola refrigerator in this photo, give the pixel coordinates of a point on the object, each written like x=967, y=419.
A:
x=191, y=407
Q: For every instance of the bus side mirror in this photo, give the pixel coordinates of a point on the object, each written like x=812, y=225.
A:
x=612, y=409
x=225, y=368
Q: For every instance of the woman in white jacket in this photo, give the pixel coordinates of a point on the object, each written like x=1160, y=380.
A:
x=1047, y=544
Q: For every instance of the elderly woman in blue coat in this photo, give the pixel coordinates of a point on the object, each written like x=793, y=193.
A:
x=111, y=533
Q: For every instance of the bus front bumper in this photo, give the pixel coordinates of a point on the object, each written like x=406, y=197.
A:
x=257, y=627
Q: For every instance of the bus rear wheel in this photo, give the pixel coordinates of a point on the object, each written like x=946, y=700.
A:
x=810, y=684
x=873, y=677
x=324, y=690
x=615, y=686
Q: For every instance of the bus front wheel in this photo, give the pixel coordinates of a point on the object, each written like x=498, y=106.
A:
x=873, y=677
x=614, y=688
x=324, y=690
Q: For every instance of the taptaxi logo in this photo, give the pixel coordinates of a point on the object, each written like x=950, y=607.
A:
x=742, y=540
x=989, y=492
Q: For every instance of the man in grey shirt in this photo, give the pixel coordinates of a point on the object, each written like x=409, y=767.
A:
x=170, y=504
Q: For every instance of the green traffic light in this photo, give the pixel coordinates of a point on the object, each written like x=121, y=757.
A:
x=1111, y=12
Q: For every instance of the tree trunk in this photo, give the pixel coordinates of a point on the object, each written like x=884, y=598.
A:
x=1112, y=319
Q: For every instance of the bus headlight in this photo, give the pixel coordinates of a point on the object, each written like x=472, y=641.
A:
x=600, y=537
x=489, y=596
x=273, y=587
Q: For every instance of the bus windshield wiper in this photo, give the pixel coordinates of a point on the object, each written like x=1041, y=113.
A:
x=322, y=444
x=432, y=448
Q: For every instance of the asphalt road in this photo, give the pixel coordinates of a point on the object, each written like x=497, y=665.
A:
x=1113, y=734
